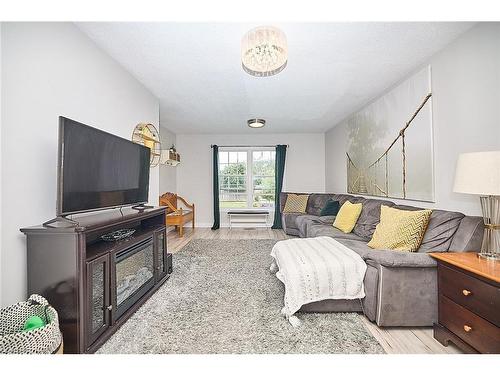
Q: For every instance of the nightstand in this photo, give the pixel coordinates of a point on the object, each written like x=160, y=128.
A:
x=469, y=302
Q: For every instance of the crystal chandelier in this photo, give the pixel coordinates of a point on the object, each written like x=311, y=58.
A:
x=264, y=51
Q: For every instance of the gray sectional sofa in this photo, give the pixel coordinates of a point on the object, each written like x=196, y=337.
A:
x=400, y=287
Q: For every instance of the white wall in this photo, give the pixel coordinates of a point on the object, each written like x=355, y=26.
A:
x=304, y=169
x=466, y=115
x=52, y=69
x=168, y=174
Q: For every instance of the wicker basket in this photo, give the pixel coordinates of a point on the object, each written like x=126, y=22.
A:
x=44, y=340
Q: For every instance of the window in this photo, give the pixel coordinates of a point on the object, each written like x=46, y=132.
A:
x=233, y=179
x=246, y=178
x=263, y=179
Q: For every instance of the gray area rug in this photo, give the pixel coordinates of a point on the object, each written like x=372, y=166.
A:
x=221, y=298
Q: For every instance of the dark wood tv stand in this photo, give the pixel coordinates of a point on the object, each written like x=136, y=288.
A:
x=97, y=285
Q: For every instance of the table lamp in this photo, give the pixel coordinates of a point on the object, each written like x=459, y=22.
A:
x=479, y=173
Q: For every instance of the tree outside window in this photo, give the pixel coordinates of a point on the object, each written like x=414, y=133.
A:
x=246, y=178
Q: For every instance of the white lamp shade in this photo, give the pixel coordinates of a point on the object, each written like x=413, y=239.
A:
x=478, y=173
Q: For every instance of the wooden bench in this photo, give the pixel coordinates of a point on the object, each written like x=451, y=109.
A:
x=248, y=218
x=177, y=216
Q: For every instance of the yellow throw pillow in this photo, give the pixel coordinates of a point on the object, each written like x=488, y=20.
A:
x=296, y=203
x=347, y=216
x=400, y=229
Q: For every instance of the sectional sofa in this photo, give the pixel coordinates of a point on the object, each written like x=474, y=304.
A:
x=400, y=287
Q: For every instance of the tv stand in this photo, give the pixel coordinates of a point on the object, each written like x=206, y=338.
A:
x=141, y=207
x=60, y=219
x=84, y=277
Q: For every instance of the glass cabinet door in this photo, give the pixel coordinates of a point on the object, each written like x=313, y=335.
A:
x=161, y=254
x=98, y=308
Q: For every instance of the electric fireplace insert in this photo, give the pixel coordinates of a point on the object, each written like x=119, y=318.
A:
x=134, y=273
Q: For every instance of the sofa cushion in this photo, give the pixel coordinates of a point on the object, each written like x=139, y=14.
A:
x=296, y=203
x=316, y=229
x=391, y=258
x=302, y=222
x=441, y=229
x=289, y=219
x=469, y=235
x=386, y=257
x=370, y=217
x=347, y=216
x=358, y=246
x=326, y=220
x=342, y=198
x=406, y=208
x=400, y=229
x=316, y=203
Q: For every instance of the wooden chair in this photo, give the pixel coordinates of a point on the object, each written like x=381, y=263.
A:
x=177, y=216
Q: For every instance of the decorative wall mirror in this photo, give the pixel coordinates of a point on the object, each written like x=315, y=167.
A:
x=147, y=135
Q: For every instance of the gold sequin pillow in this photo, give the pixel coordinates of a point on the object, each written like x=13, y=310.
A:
x=296, y=203
x=400, y=229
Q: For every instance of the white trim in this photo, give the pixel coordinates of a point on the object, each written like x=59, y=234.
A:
x=203, y=225
x=222, y=225
x=247, y=148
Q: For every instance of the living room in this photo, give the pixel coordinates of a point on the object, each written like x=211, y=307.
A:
x=283, y=186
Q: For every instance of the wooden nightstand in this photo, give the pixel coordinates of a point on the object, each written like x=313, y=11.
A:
x=469, y=302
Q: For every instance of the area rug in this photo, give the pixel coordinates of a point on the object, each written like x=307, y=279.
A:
x=222, y=298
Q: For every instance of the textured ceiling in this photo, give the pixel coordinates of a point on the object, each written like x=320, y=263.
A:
x=333, y=69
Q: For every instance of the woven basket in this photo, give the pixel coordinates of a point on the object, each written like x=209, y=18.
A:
x=44, y=340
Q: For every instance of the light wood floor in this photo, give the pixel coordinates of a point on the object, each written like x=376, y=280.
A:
x=393, y=340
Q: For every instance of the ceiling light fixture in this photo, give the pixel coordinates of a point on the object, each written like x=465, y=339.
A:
x=256, y=123
x=264, y=51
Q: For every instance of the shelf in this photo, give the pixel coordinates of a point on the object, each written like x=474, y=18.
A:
x=166, y=160
x=147, y=138
x=171, y=162
x=100, y=246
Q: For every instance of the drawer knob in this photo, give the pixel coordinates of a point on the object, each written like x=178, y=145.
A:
x=466, y=292
x=467, y=328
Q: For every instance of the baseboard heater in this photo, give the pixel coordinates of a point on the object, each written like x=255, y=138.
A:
x=248, y=218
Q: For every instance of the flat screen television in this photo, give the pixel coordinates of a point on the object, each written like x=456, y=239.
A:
x=98, y=170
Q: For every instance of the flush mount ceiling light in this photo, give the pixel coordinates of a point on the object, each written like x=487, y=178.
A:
x=256, y=123
x=264, y=51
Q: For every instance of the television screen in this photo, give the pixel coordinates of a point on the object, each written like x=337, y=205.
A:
x=99, y=170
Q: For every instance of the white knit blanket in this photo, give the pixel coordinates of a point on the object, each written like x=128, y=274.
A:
x=316, y=269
